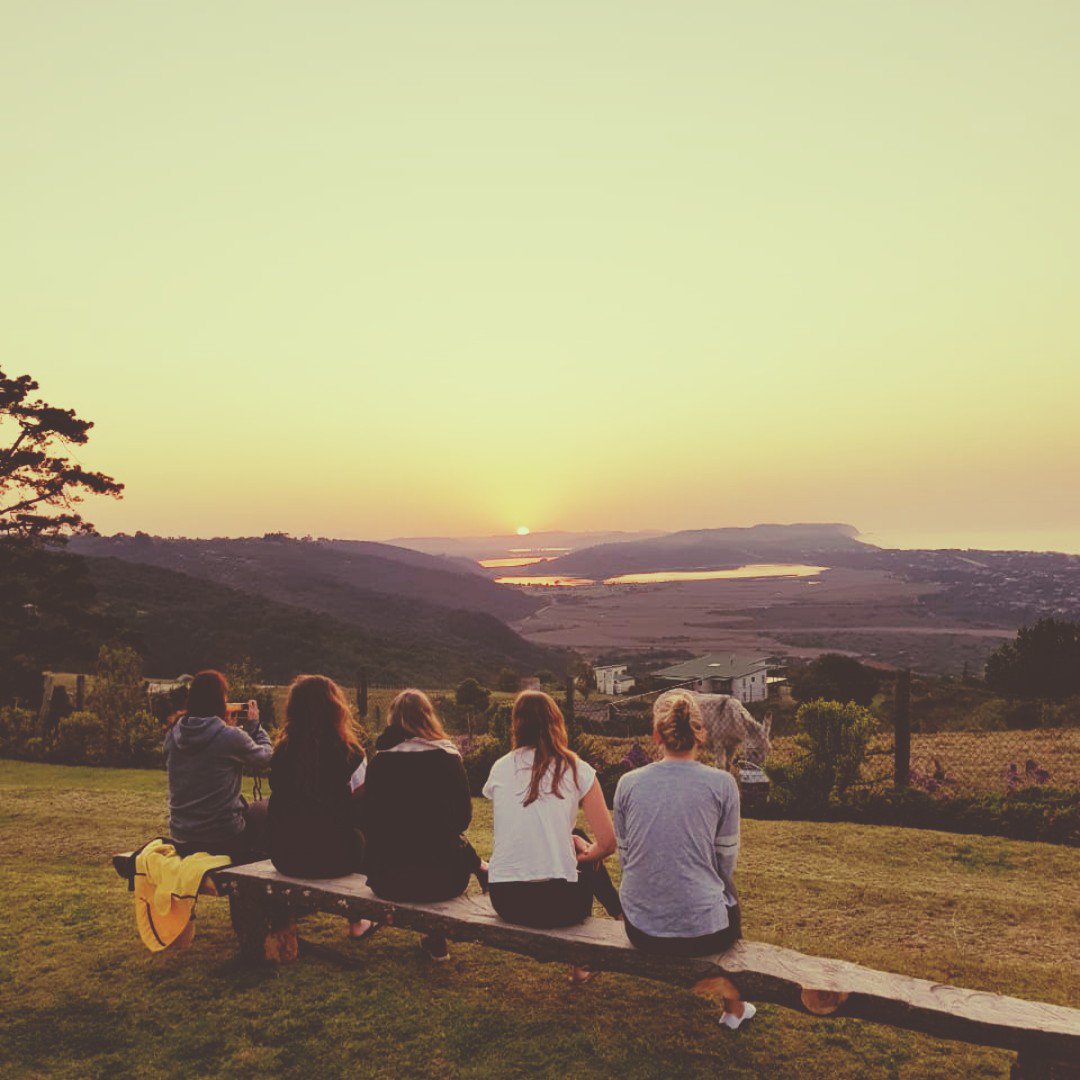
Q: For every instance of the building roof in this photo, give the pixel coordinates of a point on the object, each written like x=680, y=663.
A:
x=610, y=667
x=714, y=666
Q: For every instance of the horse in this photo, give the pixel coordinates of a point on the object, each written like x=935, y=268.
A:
x=729, y=726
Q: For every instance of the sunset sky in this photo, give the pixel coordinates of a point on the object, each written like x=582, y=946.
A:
x=371, y=270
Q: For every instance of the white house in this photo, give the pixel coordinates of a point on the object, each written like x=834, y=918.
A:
x=744, y=677
x=612, y=679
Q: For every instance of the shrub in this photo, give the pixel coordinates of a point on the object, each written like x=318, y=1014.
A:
x=478, y=754
x=471, y=695
x=141, y=740
x=19, y=733
x=836, y=678
x=1034, y=813
x=117, y=694
x=508, y=680
x=830, y=750
x=81, y=739
x=614, y=758
x=500, y=723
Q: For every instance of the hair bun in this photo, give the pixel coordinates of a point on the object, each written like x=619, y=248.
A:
x=675, y=718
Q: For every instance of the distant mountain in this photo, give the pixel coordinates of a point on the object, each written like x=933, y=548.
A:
x=182, y=623
x=493, y=547
x=713, y=549
x=361, y=582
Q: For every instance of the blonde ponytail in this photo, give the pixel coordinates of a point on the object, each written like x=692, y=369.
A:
x=677, y=722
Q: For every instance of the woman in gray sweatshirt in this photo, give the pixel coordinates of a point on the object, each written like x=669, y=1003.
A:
x=677, y=828
x=206, y=753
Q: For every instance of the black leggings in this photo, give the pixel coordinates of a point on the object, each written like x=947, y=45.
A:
x=547, y=905
x=705, y=945
x=428, y=883
x=247, y=846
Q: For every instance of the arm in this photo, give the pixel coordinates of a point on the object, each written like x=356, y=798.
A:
x=726, y=844
x=459, y=808
x=620, y=819
x=599, y=818
x=250, y=748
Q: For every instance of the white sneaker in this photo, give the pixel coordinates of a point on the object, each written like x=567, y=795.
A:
x=730, y=1020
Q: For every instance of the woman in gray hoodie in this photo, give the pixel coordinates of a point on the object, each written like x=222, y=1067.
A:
x=206, y=753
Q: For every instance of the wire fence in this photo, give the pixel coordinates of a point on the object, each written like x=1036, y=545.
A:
x=956, y=761
x=962, y=761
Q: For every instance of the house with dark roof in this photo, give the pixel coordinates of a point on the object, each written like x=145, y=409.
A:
x=744, y=677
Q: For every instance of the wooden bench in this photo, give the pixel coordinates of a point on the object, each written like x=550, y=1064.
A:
x=265, y=905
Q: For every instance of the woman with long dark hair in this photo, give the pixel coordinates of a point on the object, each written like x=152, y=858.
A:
x=316, y=781
x=417, y=808
x=677, y=822
x=544, y=872
x=207, y=749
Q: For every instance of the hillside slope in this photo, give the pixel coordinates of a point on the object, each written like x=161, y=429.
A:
x=182, y=623
x=338, y=577
x=696, y=549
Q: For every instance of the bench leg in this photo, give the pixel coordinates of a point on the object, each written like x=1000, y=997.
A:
x=265, y=927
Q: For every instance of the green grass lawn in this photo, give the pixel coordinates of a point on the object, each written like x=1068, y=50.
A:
x=80, y=996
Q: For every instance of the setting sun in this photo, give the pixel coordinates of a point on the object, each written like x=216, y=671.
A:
x=523, y=530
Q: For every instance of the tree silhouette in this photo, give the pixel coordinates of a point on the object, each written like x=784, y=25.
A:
x=834, y=677
x=1042, y=662
x=40, y=485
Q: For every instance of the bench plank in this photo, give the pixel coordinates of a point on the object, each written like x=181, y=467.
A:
x=762, y=972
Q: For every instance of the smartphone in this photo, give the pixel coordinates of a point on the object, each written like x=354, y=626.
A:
x=238, y=710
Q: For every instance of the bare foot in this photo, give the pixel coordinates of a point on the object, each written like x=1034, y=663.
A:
x=581, y=975
x=361, y=929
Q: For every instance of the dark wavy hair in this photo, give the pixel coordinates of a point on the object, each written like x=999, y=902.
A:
x=208, y=694
x=317, y=714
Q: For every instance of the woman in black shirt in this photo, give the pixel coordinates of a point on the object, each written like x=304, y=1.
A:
x=417, y=808
x=316, y=780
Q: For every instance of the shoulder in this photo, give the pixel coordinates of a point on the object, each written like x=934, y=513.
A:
x=581, y=764
x=721, y=781
x=507, y=763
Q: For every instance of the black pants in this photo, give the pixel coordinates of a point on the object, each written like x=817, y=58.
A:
x=547, y=905
x=705, y=945
x=428, y=882
x=246, y=847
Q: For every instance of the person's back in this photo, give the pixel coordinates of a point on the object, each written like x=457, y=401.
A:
x=677, y=827
x=313, y=818
x=677, y=824
x=205, y=759
x=534, y=841
x=417, y=807
x=544, y=872
x=417, y=802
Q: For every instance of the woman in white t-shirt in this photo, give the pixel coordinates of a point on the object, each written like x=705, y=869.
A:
x=543, y=872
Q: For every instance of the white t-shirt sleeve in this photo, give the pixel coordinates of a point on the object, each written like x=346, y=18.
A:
x=489, y=785
x=586, y=777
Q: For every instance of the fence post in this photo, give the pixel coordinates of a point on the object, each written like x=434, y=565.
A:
x=361, y=693
x=902, y=721
x=568, y=711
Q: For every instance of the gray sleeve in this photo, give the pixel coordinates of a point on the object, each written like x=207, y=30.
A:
x=727, y=830
x=618, y=814
x=251, y=751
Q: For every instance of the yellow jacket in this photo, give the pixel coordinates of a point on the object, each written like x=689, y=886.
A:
x=166, y=888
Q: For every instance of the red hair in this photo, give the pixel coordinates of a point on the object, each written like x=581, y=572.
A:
x=538, y=724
